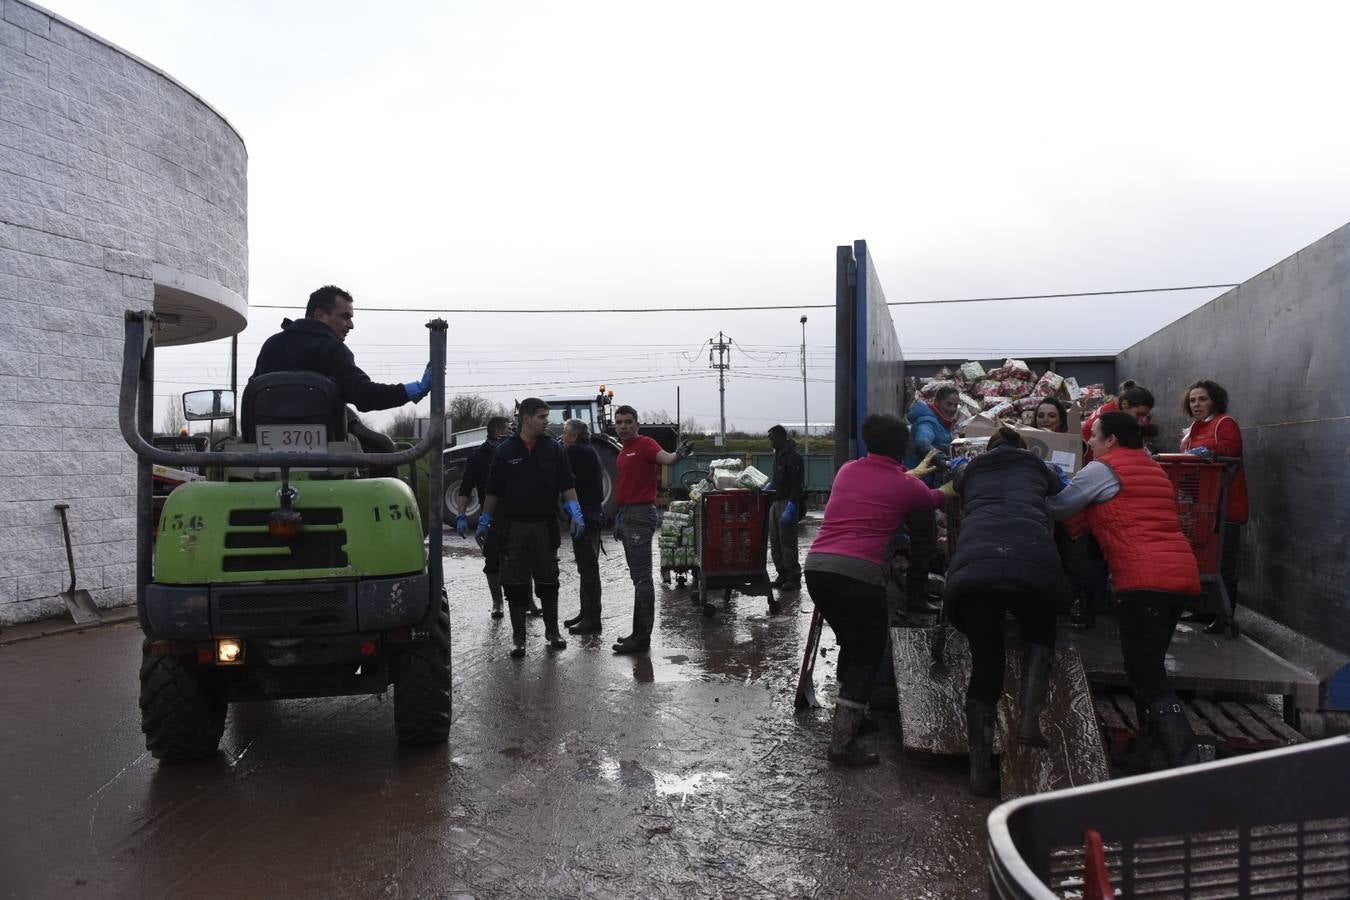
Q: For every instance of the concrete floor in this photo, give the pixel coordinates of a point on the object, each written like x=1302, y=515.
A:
x=683, y=773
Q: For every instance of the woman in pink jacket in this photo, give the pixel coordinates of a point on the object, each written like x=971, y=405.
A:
x=845, y=571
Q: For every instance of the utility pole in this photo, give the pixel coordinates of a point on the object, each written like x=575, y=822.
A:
x=722, y=347
x=806, y=418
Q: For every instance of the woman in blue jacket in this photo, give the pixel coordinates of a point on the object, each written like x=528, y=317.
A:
x=931, y=425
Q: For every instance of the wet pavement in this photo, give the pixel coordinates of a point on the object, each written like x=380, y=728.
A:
x=577, y=773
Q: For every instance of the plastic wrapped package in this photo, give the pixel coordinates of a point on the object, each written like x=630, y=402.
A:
x=988, y=388
x=685, y=507
x=929, y=390
x=972, y=372
x=727, y=462
x=724, y=479
x=698, y=490
x=1049, y=385
x=1070, y=390
x=970, y=404
x=752, y=478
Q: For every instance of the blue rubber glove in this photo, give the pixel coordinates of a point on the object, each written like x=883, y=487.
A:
x=578, y=523
x=769, y=486
x=484, y=523
x=1059, y=472
x=790, y=512
x=1200, y=451
x=416, y=390
x=462, y=525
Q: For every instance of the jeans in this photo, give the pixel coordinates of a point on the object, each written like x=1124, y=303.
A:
x=1147, y=620
x=856, y=613
x=639, y=523
x=783, y=544
x=982, y=617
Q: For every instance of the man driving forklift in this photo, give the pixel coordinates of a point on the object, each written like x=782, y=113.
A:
x=317, y=343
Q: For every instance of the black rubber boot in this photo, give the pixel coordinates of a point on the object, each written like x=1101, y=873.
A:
x=1037, y=660
x=1145, y=755
x=980, y=737
x=517, y=601
x=568, y=623
x=548, y=597
x=494, y=581
x=586, y=626
x=1173, y=732
x=844, y=748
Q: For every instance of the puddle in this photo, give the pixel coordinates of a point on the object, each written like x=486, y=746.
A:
x=683, y=786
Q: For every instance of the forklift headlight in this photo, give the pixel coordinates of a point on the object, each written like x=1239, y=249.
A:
x=229, y=652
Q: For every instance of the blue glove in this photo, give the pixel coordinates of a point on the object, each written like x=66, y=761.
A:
x=1200, y=451
x=1059, y=472
x=484, y=523
x=769, y=486
x=790, y=512
x=578, y=523
x=416, y=390
x=462, y=525
x=958, y=464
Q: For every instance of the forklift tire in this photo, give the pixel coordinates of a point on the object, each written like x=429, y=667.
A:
x=422, y=686
x=180, y=714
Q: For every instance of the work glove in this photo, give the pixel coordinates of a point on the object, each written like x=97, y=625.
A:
x=927, y=466
x=1059, y=473
x=578, y=526
x=416, y=390
x=683, y=450
x=618, y=526
x=956, y=465
x=462, y=526
x=484, y=524
x=948, y=489
x=1200, y=451
x=790, y=512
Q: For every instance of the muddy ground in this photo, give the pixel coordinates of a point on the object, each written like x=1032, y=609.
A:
x=684, y=773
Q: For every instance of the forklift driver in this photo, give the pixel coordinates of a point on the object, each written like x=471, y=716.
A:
x=316, y=343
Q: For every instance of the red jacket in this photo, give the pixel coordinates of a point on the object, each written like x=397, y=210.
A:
x=1108, y=406
x=1139, y=528
x=1221, y=434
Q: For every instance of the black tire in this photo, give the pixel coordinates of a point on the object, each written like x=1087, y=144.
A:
x=422, y=686
x=609, y=459
x=181, y=713
x=454, y=474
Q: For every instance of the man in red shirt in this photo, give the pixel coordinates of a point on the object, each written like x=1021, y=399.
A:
x=637, y=519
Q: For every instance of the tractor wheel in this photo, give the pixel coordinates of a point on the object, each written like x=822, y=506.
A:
x=422, y=686
x=454, y=474
x=181, y=715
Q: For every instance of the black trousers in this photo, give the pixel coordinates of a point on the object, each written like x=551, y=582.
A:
x=856, y=612
x=922, y=528
x=1228, y=563
x=1147, y=620
x=982, y=619
x=586, y=552
x=1085, y=567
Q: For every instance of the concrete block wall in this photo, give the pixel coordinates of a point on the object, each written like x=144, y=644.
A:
x=110, y=172
x=1280, y=345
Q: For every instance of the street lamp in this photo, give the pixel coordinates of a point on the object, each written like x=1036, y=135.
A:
x=806, y=419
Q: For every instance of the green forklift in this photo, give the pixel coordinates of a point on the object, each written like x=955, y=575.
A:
x=282, y=570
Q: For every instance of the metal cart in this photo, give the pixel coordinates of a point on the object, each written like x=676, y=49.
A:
x=1272, y=824
x=731, y=540
x=1201, y=484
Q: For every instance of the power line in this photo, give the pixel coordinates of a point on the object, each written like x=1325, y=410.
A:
x=622, y=310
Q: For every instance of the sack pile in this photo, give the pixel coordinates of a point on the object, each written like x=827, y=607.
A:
x=676, y=540
x=1009, y=392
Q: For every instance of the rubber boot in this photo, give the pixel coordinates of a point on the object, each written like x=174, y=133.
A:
x=844, y=749
x=980, y=737
x=1173, y=732
x=494, y=581
x=518, y=602
x=1145, y=755
x=1037, y=662
x=548, y=597
x=568, y=623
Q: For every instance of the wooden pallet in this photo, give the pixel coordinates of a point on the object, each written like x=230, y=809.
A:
x=1222, y=727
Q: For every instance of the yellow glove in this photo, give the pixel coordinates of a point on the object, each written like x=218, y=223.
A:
x=949, y=489
x=925, y=468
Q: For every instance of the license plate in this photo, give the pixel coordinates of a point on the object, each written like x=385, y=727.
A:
x=292, y=438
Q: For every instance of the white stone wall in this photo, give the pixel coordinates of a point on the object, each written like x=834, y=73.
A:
x=109, y=172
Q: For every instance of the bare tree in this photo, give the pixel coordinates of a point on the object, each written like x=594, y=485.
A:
x=403, y=425
x=690, y=425
x=471, y=411
x=656, y=415
x=173, y=416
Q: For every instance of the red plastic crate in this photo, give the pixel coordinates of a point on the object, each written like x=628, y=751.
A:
x=733, y=527
x=1199, y=488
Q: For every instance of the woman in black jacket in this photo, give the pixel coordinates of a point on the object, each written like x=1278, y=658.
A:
x=1005, y=561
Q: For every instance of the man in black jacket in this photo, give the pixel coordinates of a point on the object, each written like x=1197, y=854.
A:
x=529, y=472
x=590, y=475
x=316, y=343
x=789, y=485
x=475, y=479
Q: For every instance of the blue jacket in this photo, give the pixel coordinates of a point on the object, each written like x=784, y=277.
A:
x=926, y=432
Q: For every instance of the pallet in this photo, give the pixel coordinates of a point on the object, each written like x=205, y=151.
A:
x=1222, y=727
x=1075, y=756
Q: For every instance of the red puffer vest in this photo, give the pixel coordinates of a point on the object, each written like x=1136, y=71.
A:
x=1222, y=435
x=1140, y=531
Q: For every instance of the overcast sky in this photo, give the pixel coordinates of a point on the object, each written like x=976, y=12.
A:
x=564, y=155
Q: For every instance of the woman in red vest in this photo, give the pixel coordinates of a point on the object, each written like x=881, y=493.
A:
x=1215, y=433
x=1128, y=502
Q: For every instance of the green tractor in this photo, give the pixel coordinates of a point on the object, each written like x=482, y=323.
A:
x=286, y=571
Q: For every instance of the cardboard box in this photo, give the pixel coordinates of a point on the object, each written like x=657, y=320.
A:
x=1065, y=449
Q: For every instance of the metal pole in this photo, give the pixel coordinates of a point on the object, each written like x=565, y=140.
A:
x=806, y=417
x=234, y=386
x=679, y=434
x=721, y=346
